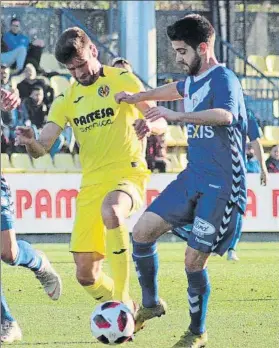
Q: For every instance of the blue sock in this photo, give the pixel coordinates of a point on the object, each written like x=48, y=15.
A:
x=27, y=257
x=198, y=295
x=146, y=260
x=237, y=233
x=5, y=310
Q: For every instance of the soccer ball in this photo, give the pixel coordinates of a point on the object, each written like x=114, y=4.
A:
x=112, y=323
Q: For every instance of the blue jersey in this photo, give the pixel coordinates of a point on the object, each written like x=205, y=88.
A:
x=15, y=40
x=217, y=153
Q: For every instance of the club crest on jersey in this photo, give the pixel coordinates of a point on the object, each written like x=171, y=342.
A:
x=103, y=91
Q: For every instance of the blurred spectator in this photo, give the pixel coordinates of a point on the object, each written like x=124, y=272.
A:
x=122, y=63
x=15, y=56
x=14, y=39
x=9, y=117
x=156, y=153
x=26, y=86
x=272, y=163
x=252, y=163
x=34, y=111
x=4, y=137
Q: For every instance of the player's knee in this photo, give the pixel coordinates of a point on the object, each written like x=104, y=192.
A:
x=9, y=256
x=141, y=233
x=195, y=261
x=137, y=233
x=192, y=266
x=86, y=278
x=112, y=215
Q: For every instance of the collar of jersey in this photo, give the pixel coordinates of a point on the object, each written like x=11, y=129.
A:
x=204, y=74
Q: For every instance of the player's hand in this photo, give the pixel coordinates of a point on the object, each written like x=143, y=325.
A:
x=127, y=97
x=24, y=135
x=142, y=128
x=9, y=101
x=264, y=177
x=155, y=113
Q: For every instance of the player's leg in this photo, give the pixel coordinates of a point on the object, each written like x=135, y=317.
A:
x=171, y=209
x=88, y=244
x=90, y=276
x=198, y=295
x=212, y=231
x=10, y=330
x=116, y=208
x=15, y=253
x=126, y=197
x=232, y=256
x=145, y=234
x=21, y=253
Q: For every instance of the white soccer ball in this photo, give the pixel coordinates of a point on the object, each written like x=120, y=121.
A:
x=112, y=323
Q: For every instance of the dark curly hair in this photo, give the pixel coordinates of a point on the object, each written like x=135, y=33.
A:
x=193, y=29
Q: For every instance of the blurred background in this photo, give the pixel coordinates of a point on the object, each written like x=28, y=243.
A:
x=247, y=42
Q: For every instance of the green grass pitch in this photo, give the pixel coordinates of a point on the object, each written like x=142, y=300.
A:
x=243, y=308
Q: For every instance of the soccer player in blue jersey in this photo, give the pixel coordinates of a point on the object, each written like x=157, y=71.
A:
x=19, y=253
x=211, y=192
x=254, y=135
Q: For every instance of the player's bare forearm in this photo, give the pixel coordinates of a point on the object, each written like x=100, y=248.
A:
x=159, y=126
x=163, y=93
x=35, y=149
x=211, y=117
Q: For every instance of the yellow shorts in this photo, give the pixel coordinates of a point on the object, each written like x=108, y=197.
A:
x=89, y=230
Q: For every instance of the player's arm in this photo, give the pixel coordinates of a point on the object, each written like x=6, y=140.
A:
x=211, y=117
x=142, y=126
x=37, y=148
x=225, y=105
x=50, y=132
x=254, y=134
x=167, y=92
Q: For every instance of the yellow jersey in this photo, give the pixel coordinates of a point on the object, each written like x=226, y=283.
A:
x=102, y=128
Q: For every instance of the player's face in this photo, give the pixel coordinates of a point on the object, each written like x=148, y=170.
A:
x=187, y=57
x=275, y=152
x=85, y=67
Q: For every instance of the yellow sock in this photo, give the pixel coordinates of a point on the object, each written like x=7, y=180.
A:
x=102, y=290
x=117, y=251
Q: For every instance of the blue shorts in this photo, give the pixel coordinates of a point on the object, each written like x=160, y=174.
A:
x=7, y=207
x=191, y=199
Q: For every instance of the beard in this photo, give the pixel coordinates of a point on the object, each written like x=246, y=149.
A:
x=88, y=81
x=195, y=66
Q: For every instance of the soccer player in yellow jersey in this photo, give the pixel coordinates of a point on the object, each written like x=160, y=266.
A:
x=114, y=172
